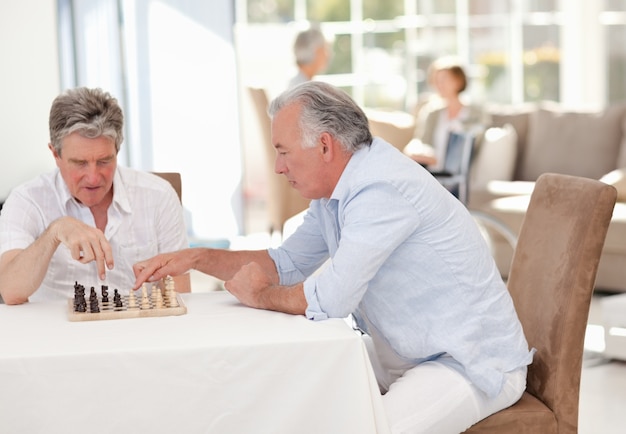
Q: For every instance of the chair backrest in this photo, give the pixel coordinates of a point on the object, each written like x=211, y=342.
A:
x=458, y=153
x=283, y=200
x=551, y=282
x=174, y=179
x=261, y=103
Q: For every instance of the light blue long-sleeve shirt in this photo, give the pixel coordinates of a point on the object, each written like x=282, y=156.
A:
x=408, y=260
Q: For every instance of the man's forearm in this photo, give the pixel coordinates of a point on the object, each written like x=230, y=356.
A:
x=288, y=299
x=22, y=271
x=224, y=264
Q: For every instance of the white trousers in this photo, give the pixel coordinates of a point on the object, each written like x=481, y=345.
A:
x=433, y=398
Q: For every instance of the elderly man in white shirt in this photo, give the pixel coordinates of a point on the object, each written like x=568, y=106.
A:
x=89, y=220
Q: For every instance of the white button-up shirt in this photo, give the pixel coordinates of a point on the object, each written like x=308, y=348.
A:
x=144, y=219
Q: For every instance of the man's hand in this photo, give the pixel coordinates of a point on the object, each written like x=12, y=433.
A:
x=249, y=285
x=85, y=243
x=23, y=270
x=160, y=266
x=254, y=287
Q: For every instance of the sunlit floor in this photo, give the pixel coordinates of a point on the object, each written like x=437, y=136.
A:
x=602, y=407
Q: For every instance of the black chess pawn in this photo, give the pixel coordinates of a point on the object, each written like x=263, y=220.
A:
x=117, y=298
x=94, y=307
x=93, y=301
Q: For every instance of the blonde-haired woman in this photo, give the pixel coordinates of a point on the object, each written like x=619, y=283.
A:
x=444, y=114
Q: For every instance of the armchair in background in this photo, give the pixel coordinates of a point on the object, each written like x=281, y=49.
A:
x=173, y=178
x=282, y=199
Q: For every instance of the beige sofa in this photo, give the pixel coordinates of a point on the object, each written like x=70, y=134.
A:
x=525, y=141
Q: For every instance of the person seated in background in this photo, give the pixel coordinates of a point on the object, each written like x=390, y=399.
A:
x=405, y=258
x=443, y=114
x=312, y=53
x=88, y=219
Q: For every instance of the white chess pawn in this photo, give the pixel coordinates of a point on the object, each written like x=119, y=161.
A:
x=132, y=300
x=170, y=294
x=158, y=297
x=145, y=301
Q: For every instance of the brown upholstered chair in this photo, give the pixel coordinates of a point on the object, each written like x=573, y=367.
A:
x=174, y=179
x=283, y=200
x=551, y=281
x=183, y=283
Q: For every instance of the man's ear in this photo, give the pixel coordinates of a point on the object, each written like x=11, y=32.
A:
x=327, y=146
x=55, y=154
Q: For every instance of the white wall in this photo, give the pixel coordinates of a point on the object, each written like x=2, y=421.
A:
x=182, y=74
x=29, y=81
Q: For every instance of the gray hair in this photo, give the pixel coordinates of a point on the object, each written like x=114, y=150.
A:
x=325, y=108
x=306, y=44
x=91, y=113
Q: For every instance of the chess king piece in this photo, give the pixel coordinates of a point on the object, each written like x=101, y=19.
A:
x=80, y=304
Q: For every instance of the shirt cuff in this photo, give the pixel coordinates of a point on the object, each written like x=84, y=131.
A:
x=313, y=310
x=287, y=273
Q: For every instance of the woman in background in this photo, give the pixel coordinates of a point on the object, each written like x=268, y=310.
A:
x=444, y=114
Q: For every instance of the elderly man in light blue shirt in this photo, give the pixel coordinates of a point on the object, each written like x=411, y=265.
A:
x=406, y=260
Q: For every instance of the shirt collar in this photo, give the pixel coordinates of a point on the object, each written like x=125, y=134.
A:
x=120, y=194
x=61, y=187
x=343, y=185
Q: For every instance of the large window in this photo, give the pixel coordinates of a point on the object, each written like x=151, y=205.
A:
x=515, y=51
x=171, y=64
x=177, y=65
x=613, y=20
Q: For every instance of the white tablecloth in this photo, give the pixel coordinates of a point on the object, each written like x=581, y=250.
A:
x=221, y=368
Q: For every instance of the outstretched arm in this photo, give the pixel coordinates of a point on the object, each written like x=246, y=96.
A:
x=250, y=275
x=219, y=263
x=23, y=270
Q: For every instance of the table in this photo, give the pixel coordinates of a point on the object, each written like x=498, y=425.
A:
x=221, y=368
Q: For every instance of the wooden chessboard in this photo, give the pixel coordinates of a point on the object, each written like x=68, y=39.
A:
x=109, y=311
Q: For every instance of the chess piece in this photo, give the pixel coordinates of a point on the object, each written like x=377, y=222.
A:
x=132, y=300
x=170, y=293
x=80, y=304
x=105, y=293
x=145, y=301
x=93, y=301
x=158, y=297
x=117, y=299
x=153, y=293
